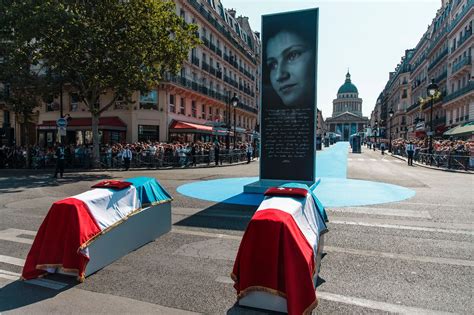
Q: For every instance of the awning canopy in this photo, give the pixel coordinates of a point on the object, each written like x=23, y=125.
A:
x=178, y=126
x=113, y=123
x=461, y=130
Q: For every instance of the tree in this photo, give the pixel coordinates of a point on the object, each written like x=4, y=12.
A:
x=106, y=46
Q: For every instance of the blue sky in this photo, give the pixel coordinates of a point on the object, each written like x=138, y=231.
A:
x=368, y=37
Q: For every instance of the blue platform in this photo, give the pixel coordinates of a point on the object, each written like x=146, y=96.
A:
x=335, y=190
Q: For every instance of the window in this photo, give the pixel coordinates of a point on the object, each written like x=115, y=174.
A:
x=74, y=101
x=149, y=100
x=193, y=109
x=203, y=111
x=182, y=109
x=172, y=106
x=148, y=132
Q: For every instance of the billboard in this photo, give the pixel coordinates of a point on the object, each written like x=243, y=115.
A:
x=288, y=110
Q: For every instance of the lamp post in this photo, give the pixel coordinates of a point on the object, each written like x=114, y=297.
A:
x=234, y=101
x=431, y=91
x=375, y=133
x=227, y=118
x=390, y=114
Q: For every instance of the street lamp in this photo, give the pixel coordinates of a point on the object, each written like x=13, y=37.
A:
x=375, y=133
x=431, y=91
x=390, y=114
x=234, y=101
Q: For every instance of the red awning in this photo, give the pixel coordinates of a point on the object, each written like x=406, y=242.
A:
x=420, y=134
x=182, y=126
x=114, y=123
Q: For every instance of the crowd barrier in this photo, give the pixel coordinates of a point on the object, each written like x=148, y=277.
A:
x=446, y=160
x=166, y=160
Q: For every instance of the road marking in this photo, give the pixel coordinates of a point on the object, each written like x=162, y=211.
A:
x=403, y=227
x=46, y=283
x=349, y=159
x=5, y=274
x=206, y=234
x=384, y=211
x=387, y=307
x=13, y=235
x=373, y=159
x=383, y=306
x=385, y=160
x=360, y=159
x=12, y=260
x=424, y=259
x=369, y=253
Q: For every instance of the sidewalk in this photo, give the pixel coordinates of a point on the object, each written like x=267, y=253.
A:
x=431, y=167
x=31, y=171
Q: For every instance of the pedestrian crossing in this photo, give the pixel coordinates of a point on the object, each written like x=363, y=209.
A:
x=376, y=160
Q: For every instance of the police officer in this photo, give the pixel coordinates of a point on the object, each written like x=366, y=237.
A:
x=59, y=160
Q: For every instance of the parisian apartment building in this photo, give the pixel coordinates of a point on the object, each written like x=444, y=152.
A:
x=444, y=55
x=194, y=105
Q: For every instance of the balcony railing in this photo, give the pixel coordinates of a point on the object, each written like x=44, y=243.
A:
x=461, y=63
x=469, y=5
x=441, y=77
x=469, y=87
x=438, y=59
x=185, y=82
x=221, y=29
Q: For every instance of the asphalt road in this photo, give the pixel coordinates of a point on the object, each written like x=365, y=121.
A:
x=412, y=256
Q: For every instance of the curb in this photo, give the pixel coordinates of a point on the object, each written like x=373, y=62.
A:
x=432, y=167
x=93, y=170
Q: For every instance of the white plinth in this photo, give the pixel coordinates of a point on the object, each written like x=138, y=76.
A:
x=136, y=231
x=271, y=302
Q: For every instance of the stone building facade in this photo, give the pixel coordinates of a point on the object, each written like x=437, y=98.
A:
x=193, y=105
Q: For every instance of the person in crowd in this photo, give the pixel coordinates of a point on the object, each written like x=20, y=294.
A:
x=127, y=157
x=60, y=156
x=249, y=151
x=410, y=151
x=216, y=152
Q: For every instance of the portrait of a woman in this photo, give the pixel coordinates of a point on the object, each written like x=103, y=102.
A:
x=289, y=61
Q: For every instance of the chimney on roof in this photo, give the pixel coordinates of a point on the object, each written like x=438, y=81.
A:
x=232, y=12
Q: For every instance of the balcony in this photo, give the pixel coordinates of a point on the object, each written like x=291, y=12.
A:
x=455, y=22
x=221, y=29
x=195, y=61
x=441, y=77
x=461, y=40
x=438, y=59
x=461, y=64
x=469, y=87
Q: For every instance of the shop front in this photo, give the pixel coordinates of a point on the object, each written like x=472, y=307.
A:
x=79, y=131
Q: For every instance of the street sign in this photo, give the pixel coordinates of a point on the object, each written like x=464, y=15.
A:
x=61, y=122
x=62, y=131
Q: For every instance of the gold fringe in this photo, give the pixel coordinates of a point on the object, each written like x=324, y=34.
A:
x=261, y=289
x=310, y=308
x=80, y=277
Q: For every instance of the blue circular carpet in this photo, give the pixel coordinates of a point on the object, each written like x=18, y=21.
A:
x=332, y=192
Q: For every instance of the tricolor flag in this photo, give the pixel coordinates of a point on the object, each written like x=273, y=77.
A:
x=72, y=224
x=279, y=249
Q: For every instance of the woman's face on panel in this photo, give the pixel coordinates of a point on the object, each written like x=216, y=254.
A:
x=290, y=62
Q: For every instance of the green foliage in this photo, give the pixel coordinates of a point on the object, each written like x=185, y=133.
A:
x=97, y=46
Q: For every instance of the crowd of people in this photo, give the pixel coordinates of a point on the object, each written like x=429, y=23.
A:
x=453, y=147
x=138, y=154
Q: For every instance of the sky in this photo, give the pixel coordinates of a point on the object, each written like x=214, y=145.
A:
x=367, y=37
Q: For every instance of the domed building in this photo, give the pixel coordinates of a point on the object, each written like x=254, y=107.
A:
x=347, y=116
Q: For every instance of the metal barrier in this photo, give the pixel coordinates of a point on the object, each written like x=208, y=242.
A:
x=139, y=160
